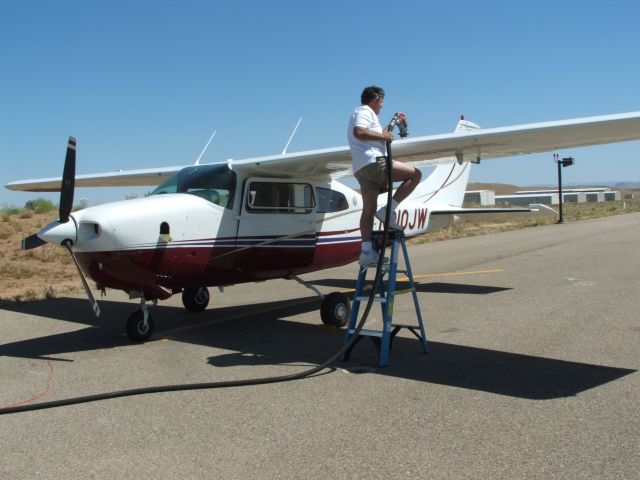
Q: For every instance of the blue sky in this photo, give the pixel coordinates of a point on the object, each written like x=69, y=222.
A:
x=144, y=83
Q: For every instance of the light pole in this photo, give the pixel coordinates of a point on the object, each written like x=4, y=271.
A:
x=565, y=162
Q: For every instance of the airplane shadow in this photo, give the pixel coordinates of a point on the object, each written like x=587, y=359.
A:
x=259, y=334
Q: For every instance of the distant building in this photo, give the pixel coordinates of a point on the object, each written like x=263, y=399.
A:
x=564, y=190
x=595, y=196
x=545, y=199
x=550, y=196
x=574, y=197
x=611, y=196
x=484, y=198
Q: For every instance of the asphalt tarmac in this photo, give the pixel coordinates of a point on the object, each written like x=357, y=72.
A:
x=532, y=373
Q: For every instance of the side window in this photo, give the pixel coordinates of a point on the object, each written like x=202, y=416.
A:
x=330, y=201
x=279, y=197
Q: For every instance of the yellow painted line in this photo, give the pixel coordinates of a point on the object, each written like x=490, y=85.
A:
x=450, y=274
x=402, y=292
x=445, y=274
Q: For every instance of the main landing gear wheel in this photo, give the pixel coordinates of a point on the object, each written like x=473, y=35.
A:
x=335, y=309
x=195, y=299
x=137, y=329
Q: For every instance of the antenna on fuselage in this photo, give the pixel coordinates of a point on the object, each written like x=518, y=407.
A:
x=205, y=148
x=291, y=137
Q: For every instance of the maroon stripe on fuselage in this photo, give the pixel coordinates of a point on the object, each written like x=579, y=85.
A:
x=175, y=268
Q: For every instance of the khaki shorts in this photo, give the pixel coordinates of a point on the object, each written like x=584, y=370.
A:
x=373, y=176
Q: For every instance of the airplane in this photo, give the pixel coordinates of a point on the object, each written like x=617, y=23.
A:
x=278, y=216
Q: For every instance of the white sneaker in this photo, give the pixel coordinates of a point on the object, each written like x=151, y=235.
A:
x=370, y=259
x=382, y=213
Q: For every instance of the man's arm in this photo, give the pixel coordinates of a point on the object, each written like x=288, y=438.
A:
x=362, y=133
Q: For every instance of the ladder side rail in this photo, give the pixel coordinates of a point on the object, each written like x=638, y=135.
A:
x=355, y=306
x=414, y=293
x=355, y=310
x=387, y=307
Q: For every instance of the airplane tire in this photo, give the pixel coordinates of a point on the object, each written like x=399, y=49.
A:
x=195, y=299
x=136, y=328
x=335, y=309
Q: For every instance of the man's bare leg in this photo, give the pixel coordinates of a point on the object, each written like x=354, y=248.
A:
x=369, y=205
x=408, y=175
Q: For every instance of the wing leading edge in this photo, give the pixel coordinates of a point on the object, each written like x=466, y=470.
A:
x=122, y=178
x=472, y=145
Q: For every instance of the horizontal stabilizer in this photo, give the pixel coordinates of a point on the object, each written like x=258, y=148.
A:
x=537, y=208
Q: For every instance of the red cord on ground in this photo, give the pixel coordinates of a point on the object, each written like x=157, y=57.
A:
x=44, y=393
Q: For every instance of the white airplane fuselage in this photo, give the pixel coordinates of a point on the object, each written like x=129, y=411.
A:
x=165, y=242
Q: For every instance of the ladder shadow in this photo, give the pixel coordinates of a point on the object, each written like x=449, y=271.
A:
x=492, y=371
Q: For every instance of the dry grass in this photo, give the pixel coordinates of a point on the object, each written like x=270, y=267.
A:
x=48, y=271
x=44, y=272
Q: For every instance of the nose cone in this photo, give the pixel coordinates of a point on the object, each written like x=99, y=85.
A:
x=57, y=232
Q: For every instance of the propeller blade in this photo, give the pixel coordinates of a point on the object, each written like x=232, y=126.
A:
x=68, y=182
x=32, y=241
x=92, y=300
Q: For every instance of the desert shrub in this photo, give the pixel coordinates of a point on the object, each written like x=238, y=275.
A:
x=40, y=205
x=8, y=211
x=30, y=296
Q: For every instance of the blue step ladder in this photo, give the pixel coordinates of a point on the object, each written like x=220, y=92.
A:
x=385, y=295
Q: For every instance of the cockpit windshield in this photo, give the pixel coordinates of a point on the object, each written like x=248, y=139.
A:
x=215, y=183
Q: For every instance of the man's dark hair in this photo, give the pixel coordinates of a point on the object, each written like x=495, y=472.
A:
x=371, y=93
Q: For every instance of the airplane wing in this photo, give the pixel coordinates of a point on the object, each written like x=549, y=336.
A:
x=472, y=145
x=121, y=178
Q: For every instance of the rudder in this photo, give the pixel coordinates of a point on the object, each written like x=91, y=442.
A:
x=447, y=184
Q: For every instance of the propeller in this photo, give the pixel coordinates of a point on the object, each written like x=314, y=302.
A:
x=59, y=232
x=32, y=241
x=66, y=195
x=68, y=182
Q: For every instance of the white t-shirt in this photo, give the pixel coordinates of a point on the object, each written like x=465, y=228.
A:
x=364, y=152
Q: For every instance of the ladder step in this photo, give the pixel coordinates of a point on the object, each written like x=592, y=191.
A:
x=367, y=333
x=401, y=325
x=385, y=267
x=364, y=298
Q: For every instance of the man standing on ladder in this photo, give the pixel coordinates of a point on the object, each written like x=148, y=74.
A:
x=367, y=141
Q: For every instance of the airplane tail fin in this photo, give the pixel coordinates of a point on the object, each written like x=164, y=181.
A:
x=447, y=183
